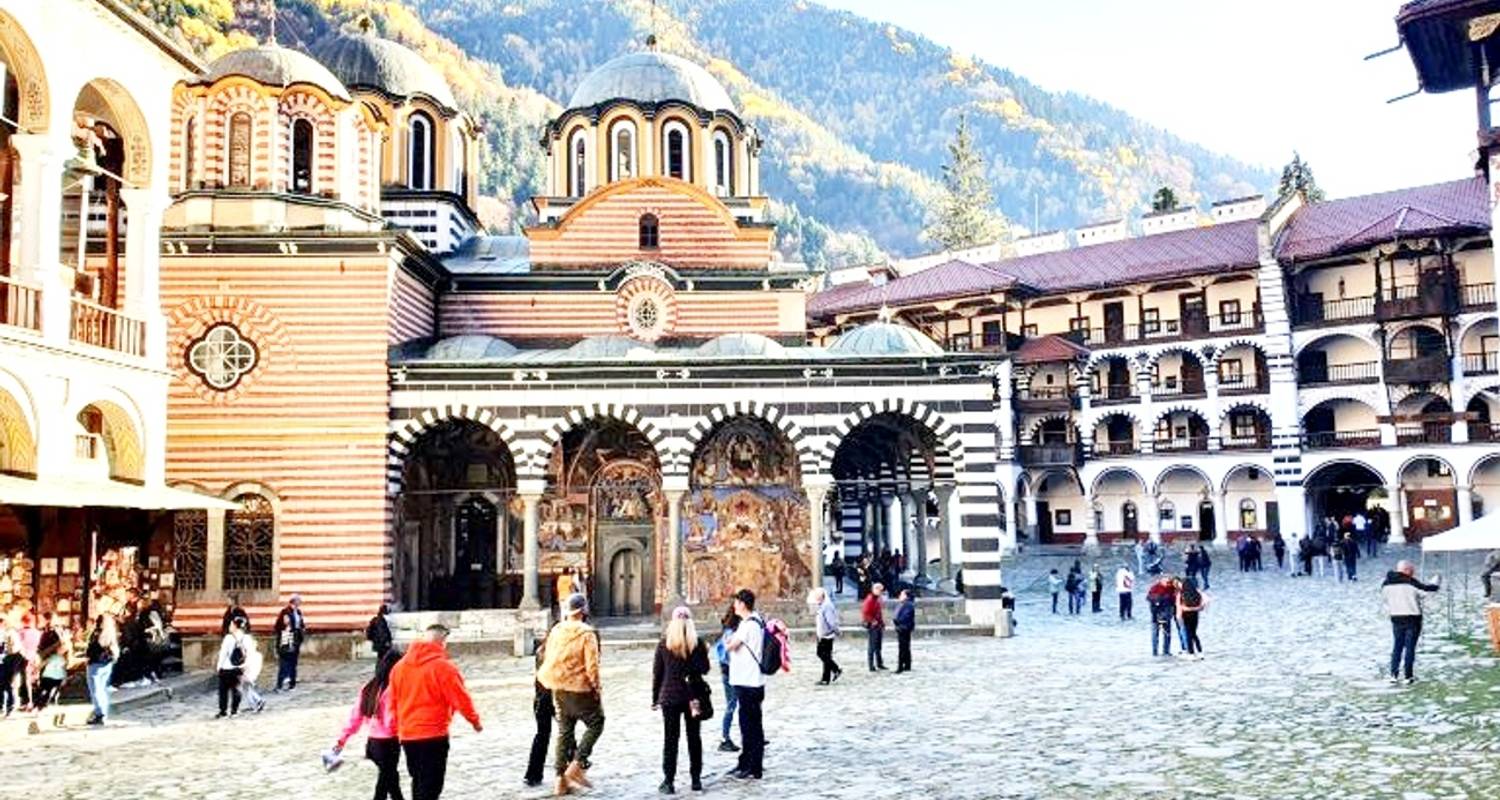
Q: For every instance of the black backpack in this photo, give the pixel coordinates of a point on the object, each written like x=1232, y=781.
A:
x=237, y=655
x=770, y=651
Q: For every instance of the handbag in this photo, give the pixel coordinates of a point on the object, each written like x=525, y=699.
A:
x=701, y=706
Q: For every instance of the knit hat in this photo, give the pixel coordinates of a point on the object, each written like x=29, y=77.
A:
x=577, y=603
x=681, y=612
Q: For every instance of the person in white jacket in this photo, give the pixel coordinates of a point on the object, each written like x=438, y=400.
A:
x=233, y=654
x=251, y=671
x=1125, y=589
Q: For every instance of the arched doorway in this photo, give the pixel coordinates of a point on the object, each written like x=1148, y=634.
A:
x=1344, y=488
x=886, y=470
x=1183, y=493
x=1117, y=493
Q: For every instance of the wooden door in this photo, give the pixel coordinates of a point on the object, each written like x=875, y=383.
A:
x=1114, y=322
x=1430, y=511
x=1194, y=313
x=1130, y=520
x=1313, y=364
x=625, y=594
x=1043, y=522
x=1273, y=517
x=1206, y=521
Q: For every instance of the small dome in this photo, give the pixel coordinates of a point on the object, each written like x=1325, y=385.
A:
x=611, y=347
x=274, y=65
x=652, y=77
x=884, y=339
x=734, y=345
x=470, y=347
x=364, y=61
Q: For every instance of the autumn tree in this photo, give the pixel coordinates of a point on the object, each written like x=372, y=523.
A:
x=965, y=216
x=1297, y=176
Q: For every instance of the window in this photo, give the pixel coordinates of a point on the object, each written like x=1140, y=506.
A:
x=1229, y=312
x=723, y=165
x=1242, y=424
x=1247, y=515
x=458, y=156
x=189, y=149
x=650, y=232
x=1163, y=430
x=1077, y=324
x=678, y=160
x=578, y=149
x=961, y=342
x=1167, y=515
x=623, y=165
x=302, y=156
x=990, y=331
x=419, y=151
x=1151, y=320
x=1231, y=372
x=249, y=544
x=1063, y=517
x=190, y=549
x=239, y=150
x=1028, y=331
x=222, y=356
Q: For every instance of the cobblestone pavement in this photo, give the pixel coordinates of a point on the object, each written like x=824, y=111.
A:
x=1289, y=703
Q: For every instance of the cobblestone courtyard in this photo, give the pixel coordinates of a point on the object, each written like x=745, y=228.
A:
x=1288, y=703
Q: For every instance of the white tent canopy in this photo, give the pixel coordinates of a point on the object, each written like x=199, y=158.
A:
x=1479, y=534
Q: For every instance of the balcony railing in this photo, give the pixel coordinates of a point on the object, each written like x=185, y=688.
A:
x=104, y=327
x=1435, y=432
x=1115, y=393
x=1046, y=398
x=1107, y=449
x=1174, y=387
x=1434, y=368
x=1357, y=372
x=1309, y=310
x=1179, y=445
x=1482, y=431
x=1477, y=296
x=1051, y=454
x=1245, y=383
x=1480, y=363
x=20, y=304
x=1435, y=296
x=1260, y=440
x=1320, y=440
x=1168, y=329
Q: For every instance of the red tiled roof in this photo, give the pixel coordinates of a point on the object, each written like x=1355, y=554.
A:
x=949, y=279
x=1340, y=226
x=1193, y=251
x=1049, y=348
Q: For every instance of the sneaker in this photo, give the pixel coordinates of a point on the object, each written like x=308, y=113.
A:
x=697, y=784
x=742, y=775
x=728, y=746
x=220, y=715
x=837, y=675
x=1393, y=680
x=1409, y=681
x=532, y=782
x=666, y=788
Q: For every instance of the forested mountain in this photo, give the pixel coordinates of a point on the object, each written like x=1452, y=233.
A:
x=856, y=116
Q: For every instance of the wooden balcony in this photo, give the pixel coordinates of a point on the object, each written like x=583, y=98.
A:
x=1433, y=431
x=1480, y=363
x=1115, y=449
x=1313, y=310
x=1046, y=400
x=1355, y=372
x=20, y=304
x=1434, y=368
x=1260, y=440
x=1114, y=394
x=1436, y=296
x=1190, y=444
x=1477, y=296
x=96, y=325
x=1051, y=454
x=1169, y=330
x=1324, y=440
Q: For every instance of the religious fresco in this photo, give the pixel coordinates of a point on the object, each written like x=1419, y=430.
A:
x=745, y=520
x=601, y=477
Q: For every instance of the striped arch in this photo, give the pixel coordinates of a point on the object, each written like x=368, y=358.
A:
x=405, y=436
x=946, y=432
x=1098, y=359
x=1173, y=409
x=1241, y=404
x=622, y=413
x=806, y=457
x=1099, y=479
x=1241, y=341
x=1153, y=361
x=1036, y=427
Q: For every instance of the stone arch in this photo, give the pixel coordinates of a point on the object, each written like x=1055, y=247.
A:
x=17, y=428
x=1405, y=465
x=1241, y=404
x=946, y=432
x=123, y=433
x=129, y=123
x=1237, y=468
x=35, y=107
x=1156, y=487
x=1334, y=463
x=1153, y=359
x=406, y=434
x=626, y=414
x=1175, y=408
x=773, y=415
x=1098, y=479
x=1036, y=427
x=1478, y=465
x=1402, y=331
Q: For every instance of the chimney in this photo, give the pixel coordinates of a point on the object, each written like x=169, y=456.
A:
x=1178, y=219
x=1241, y=208
x=1048, y=242
x=1101, y=232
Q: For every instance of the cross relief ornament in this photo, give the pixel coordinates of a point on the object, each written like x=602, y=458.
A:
x=222, y=356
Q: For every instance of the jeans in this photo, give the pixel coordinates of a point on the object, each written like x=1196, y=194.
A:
x=1320, y=566
x=427, y=763
x=752, y=735
x=873, y=654
x=1161, y=637
x=1203, y=571
x=1127, y=605
x=1372, y=546
x=1075, y=602
x=1054, y=602
x=229, y=691
x=286, y=669
x=573, y=708
x=542, y=709
x=250, y=693
x=731, y=702
x=386, y=754
x=98, y=678
x=1404, y=634
x=1182, y=638
x=825, y=655
x=1190, y=632
x=1351, y=568
x=1097, y=607
x=672, y=717
x=903, y=650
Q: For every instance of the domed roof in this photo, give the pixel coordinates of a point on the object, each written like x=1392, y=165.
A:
x=274, y=65
x=470, y=347
x=884, y=339
x=740, y=344
x=652, y=77
x=612, y=346
x=366, y=61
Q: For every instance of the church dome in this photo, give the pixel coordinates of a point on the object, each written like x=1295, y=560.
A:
x=274, y=65
x=737, y=345
x=470, y=347
x=884, y=339
x=652, y=77
x=364, y=61
x=610, y=346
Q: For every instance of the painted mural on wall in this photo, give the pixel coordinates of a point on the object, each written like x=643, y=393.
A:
x=602, y=475
x=745, y=520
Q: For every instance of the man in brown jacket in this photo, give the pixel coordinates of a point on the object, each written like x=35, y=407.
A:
x=571, y=670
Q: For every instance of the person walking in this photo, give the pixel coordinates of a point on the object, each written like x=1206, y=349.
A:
x=1140, y=556
x=1487, y=574
x=1403, y=596
x=839, y=567
x=250, y=672
x=1190, y=603
x=727, y=626
x=872, y=613
x=289, y=631
x=230, y=666
x=426, y=690
x=375, y=709
x=678, y=689
x=828, y=631
x=745, y=650
x=1096, y=587
x=1350, y=555
x=103, y=651
x=1055, y=586
x=543, y=710
x=1125, y=589
x=1073, y=585
x=571, y=670
x=378, y=632
x=1278, y=547
x=905, y=622
x=1205, y=565
x=1162, y=600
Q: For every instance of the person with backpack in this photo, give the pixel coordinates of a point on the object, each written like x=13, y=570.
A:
x=571, y=670
x=906, y=622
x=231, y=665
x=376, y=709
x=680, y=693
x=1074, y=587
x=727, y=625
x=828, y=631
x=289, y=631
x=103, y=652
x=872, y=613
x=426, y=691
x=1162, y=600
x=378, y=632
x=748, y=656
x=250, y=673
x=1190, y=603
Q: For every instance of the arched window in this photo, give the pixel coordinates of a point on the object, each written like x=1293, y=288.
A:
x=249, y=544
x=457, y=155
x=302, y=156
x=679, y=161
x=723, y=165
x=1247, y=515
x=578, y=162
x=189, y=149
x=419, y=151
x=239, y=150
x=650, y=232
x=623, y=164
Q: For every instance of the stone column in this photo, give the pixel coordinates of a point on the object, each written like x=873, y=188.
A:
x=872, y=523
x=885, y=511
x=1221, y=520
x=1153, y=518
x=920, y=498
x=908, y=534
x=1397, y=501
x=1090, y=524
x=817, y=518
x=1465, y=505
x=213, y=568
x=945, y=495
x=674, y=496
x=531, y=548
x=39, y=211
x=142, y=269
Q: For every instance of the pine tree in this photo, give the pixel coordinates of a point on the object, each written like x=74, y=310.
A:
x=1164, y=200
x=965, y=217
x=1297, y=176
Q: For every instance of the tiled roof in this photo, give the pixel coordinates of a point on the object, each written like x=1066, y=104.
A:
x=1049, y=348
x=950, y=279
x=1340, y=226
x=1193, y=251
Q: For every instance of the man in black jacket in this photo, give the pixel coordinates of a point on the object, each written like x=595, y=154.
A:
x=378, y=632
x=289, y=631
x=232, y=611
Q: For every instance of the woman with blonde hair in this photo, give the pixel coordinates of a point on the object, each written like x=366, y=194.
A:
x=103, y=651
x=678, y=689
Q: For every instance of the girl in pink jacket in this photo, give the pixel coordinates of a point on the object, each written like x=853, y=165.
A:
x=376, y=709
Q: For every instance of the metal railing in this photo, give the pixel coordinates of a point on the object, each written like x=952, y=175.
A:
x=1356, y=372
x=1178, y=445
x=1245, y=383
x=1477, y=295
x=1481, y=431
x=1480, y=363
x=1106, y=449
x=1115, y=393
x=1319, y=440
x=1310, y=311
x=1185, y=328
x=20, y=304
x=1051, y=454
x=1424, y=432
x=1175, y=387
x=1255, y=441
x=104, y=327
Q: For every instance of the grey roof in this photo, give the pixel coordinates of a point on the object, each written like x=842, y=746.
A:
x=363, y=60
x=884, y=339
x=735, y=345
x=490, y=255
x=469, y=347
x=652, y=77
x=274, y=65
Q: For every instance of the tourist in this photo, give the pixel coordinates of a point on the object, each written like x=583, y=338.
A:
x=376, y=708
x=1305, y=556
x=1487, y=573
x=1156, y=558
x=12, y=665
x=1162, y=600
x=828, y=631
x=905, y=622
x=1055, y=586
x=1377, y=524
x=250, y=673
x=28, y=642
x=745, y=650
x=1278, y=548
x=1140, y=555
x=543, y=711
x=1096, y=587
x=1402, y=596
x=571, y=670
x=872, y=613
x=1205, y=565
x=1073, y=585
x=426, y=690
x=678, y=690
x=1190, y=603
x=233, y=654
x=1257, y=550
x=1125, y=588
x=838, y=573
x=232, y=612
x=378, y=632
x=1242, y=549
x=727, y=626
x=53, y=673
x=1190, y=560
x=289, y=631
x=1350, y=553
x=1182, y=638
x=103, y=652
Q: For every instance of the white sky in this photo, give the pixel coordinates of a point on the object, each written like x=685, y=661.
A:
x=1250, y=79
